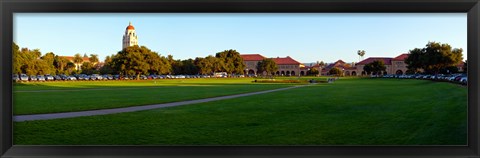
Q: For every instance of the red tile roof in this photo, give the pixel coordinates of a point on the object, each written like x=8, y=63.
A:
x=338, y=63
x=285, y=61
x=401, y=57
x=252, y=57
x=386, y=61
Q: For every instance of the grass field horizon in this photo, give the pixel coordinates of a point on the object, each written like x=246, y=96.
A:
x=350, y=111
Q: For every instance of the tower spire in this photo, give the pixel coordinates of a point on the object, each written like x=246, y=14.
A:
x=129, y=23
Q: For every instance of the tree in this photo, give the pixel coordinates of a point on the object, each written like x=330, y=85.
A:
x=107, y=66
x=204, y=66
x=60, y=64
x=434, y=57
x=88, y=68
x=18, y=60
x=361, y=53
x=217, y=64
x=77, y=59
x=267, y=65
x=177, y=67
x=232, y=61
x=376, y=67
x=154, y=61
x=188, y=67
x=70, y=69
x=28, y=61
x=465, y=67
x=335, y=71
x=132, y=61
x=449, y=70
x=415, y=60
x=93, y=59
x=49, y=59
x=321, y=64
x=313, y=71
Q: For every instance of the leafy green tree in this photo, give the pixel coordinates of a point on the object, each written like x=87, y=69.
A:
x=232, y=61
x=154, y=61
x=27, y=60
x=177, y=67
x=376, y=67
x=335, y=71
x=49, y=59
x=88, y=68
x=217, y=64
x=189, y=67
x=434, y=57
x=166, y=67
x=313, y=71
x=60, y=64
x=107, y=66
x=267, y=65
x=132, y=61
x=368, y=68
x=93, y=59
x=70, y=69
x=203, y=65
x=18, y=59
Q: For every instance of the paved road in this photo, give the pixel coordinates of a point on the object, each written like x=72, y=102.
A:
x=21, y=118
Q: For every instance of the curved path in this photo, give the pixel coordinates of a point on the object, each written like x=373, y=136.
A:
x=20, y=118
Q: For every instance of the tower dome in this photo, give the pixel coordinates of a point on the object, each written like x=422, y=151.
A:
x=130, y=27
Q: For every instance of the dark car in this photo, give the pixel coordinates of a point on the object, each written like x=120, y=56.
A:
x=58, y=78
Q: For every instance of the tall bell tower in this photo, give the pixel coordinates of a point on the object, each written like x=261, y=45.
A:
x=130, y=37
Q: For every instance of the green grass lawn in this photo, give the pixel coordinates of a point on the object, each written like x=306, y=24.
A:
x=350, y=111
x=52, y=97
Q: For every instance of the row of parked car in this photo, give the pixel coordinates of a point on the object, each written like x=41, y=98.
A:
x=24, y=77
x=456, y=78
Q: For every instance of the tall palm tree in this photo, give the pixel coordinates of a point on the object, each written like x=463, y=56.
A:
x=93, y=59
x=77, y=59
x=361, y=53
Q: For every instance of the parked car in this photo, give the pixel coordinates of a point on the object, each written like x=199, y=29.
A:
x=40, y=78
x=71, y=78
x=58, y=78
x=49, y=77
x=463, y=80
x=33, y=78
x=15, y=77
x=23, y=77
x=95, y=77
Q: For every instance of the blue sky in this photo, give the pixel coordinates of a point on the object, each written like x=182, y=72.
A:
x=306, y=37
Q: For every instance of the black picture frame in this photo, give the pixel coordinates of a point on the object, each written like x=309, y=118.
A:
x=8, y=7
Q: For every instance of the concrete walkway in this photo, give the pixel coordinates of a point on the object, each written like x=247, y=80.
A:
x=21, y=118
